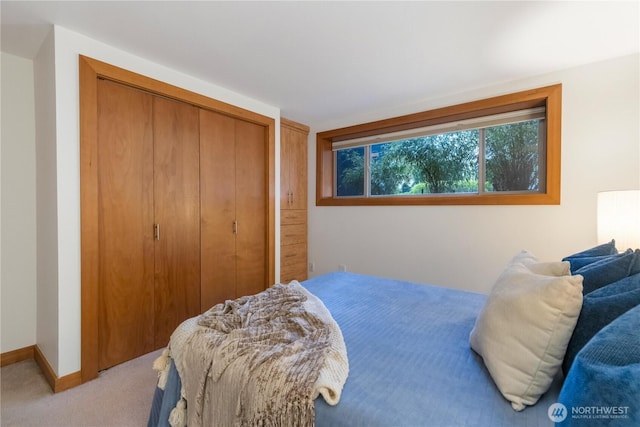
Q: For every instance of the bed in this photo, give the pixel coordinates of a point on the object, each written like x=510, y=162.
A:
x=411, y=362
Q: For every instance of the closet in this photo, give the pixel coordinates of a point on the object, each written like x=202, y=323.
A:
x=182, y=224
x=293, y=200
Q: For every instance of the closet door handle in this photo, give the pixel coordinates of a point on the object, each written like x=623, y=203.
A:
x=156, y=231
x=235, y=227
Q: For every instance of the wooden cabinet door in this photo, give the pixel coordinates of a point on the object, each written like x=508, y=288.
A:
x=286, y=146
x=293, y=166
x=177, y=215
x=217, y=208
x=251, y=208
x=126, y=260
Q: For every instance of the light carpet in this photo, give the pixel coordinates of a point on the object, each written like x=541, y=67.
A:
x=120, y=396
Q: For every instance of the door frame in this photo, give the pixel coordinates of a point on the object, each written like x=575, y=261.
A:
x=90, y=70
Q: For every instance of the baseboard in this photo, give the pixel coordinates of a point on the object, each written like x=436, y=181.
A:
x=18, y=355
x=33, y=352
x=56, y=384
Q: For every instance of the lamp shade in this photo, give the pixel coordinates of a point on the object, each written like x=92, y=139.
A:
x=619, y=218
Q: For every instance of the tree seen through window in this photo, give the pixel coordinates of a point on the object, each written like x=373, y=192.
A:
x=446, y=163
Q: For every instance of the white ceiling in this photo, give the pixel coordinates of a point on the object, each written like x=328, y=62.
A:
x=319, y=61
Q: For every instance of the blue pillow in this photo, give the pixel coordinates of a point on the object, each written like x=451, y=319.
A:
x=600, y=250
x=599, y=308
x=609, y=270
x=604, y=380
x=579, y=262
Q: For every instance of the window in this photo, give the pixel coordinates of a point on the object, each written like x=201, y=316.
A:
x=503, y=150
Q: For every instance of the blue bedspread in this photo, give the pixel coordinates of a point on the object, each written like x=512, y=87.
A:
x=410, y=363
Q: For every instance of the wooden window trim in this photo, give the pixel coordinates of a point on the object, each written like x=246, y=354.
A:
x=549, y=96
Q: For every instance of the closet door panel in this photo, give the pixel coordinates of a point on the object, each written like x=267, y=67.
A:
x=177, y=213
x=251, y=206
x=125, y=180
x=217, y=208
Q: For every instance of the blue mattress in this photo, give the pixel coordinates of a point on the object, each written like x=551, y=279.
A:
x=410, y=363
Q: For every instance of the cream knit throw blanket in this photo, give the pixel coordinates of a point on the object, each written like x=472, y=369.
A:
x=260, y=360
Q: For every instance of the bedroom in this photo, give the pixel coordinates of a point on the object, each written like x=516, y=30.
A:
x=600, y=152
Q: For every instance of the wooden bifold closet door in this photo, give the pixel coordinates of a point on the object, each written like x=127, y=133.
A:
x=182, y=224
x=172, y=221
x=233, y=202
x=149, y=220
x=177, y=215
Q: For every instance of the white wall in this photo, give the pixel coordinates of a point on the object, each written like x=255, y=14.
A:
x=47, y=336
x=64, y=354
x=18, y=277
x=466, y=247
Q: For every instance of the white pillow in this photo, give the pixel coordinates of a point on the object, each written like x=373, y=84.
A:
x=523, y=330
x=545, y=268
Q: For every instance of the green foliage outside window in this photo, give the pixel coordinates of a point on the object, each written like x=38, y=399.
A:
x=350, y=170
x=512, y=157
x=444, y=163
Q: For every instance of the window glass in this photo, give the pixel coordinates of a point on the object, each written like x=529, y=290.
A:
x=512, y=156
x=446, y=163
x=350, y=172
